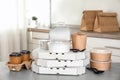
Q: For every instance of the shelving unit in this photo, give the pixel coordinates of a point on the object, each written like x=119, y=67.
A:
x=37, y=38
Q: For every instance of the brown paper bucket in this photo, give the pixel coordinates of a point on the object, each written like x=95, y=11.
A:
x=79, y=41
x=100, y=54
x=102, y=66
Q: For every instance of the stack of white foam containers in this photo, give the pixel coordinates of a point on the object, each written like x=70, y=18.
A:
x=59, y=59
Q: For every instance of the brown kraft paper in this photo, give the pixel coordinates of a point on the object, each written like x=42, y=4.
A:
x=100, y=57
x=79, y=41
x=106, y=22
x=88, y=19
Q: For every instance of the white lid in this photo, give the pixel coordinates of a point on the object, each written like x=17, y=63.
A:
x=101, y=50
x=60, y=34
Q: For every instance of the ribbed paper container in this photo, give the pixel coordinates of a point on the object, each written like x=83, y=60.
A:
x=100, y=54
x=99, y=65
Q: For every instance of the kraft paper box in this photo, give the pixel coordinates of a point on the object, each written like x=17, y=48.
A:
x=62, y=63
x=106, y=22
x=88, y=19
x=79, y=41
x=62, y=71
x=66, y=56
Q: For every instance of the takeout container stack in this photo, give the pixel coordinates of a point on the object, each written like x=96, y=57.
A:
x=58, y=59
x=59, y=40
x=100, y=59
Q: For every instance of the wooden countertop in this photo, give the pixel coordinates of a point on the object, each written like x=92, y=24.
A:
x=38, y=30
x=108, y=35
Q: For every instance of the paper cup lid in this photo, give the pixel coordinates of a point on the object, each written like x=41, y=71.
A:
x=101, y=50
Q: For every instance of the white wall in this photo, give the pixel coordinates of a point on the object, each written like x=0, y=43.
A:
x=70, y=11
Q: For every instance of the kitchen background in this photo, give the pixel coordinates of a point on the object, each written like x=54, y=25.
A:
x=13, y=32
x=68, y=11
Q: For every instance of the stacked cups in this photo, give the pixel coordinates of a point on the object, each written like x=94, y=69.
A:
x=100, y=59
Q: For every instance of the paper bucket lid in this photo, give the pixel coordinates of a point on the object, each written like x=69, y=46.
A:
x=101, y=50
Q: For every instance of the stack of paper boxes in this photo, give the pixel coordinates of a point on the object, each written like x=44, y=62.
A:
x=56, y=62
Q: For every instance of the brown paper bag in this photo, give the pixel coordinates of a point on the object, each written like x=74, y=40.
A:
x=88, y=19
x=106, y=22
x=79, y=41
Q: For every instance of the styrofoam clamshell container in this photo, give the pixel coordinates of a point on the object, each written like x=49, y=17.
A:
x=62, y=63
x=100, y=54
x=59, y=46
x=34, y=67
x=62, y=71
x=44, y=54
x=102, y=66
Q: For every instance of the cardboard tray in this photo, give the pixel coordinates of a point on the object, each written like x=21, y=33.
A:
x=18, y=67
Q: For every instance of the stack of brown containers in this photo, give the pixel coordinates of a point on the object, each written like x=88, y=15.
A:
x=100, y=59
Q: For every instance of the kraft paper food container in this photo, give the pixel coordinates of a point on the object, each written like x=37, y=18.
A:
x=25, y=55
x=15, y=58
x=79, y=41
x=99, y=65
x=100, y=54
